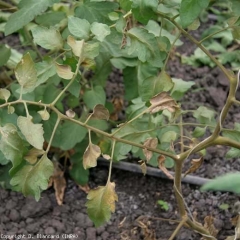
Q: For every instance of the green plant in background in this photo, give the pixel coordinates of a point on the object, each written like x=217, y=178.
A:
x=164, y=205
x=53, y=101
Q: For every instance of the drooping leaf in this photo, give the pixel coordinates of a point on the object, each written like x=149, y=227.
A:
x=26, y=14
x=163, y=101
x=94, y=96
x=152, y=143
x=33, y=154
x=101, y=202
x=91, y=155
x=48, y=38
x=78, y=27
x=44, y=114
x=100, y=112
x=12, y=145
x=228, y=182
x=154, y=85
x=5, y=53
x=4, y=94
x=32, y=132
x=143, y=10
x=32, y=179
x=96, y=11
x=76, y=46
x=161, y=165
x=64, y=71
x=100, y=30
x=26, y=73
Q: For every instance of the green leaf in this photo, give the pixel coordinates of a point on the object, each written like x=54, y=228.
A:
x=26, y=14
x=96, y=11
x=228, y=182
x=100, y=30
x=199, y=132
x=235, y=6
x=79, y=27
x=145, y=46
x=125, y=4
x=5, y=54
x=4, y=94
x=204, y=115
x=94, y=96
x=7, y=118
x=122, y=63
x=50, y=18
x=26, y=73
x=12, y=145
x=190, y=10
x=48, y=38
x=143, y=10
x=154, y=85
x=130, y=83
x=32, y=179
x=164, y=205
x=180, y=88
x=67, y=135
x=32, y=132
x=101, y=202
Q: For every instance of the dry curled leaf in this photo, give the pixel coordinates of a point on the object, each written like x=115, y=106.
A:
x=33, y=155
x=195, y=165
x=151, y=143
x=91, y=155
x=58, y=182
x=209, y=225
x=143, y=167
x=44, y=114
x=118, y=106
x=64, y=71
x=70, y=113
x=161, y=165
x=163, y=101
x=84, y=188
x=100, y=112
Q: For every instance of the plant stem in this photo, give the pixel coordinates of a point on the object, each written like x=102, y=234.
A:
x=26, y=109
x=183, y=221
x=111, y=161
x=53, y=133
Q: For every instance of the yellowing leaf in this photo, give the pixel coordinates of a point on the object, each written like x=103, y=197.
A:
x=91, y=155
x=30, y=180
x=32, y=132
x=26, y=73
x=100, y=112
x=76, y=46
x=33, y=154
x=64, y=71
x=152, y=143
x=101, y=202
x=143, y=168
x=44, y=114
x=162, y=101
x=4, y=94
x=11, y=109
x=195, y=165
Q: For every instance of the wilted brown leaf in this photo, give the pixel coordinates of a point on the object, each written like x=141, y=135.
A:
x=161, y=165
x=64, y=71
x=100, y=112
x=118, y=106
x=195, y=165
x=84, y=188
x=209, y=225
x=143, y=168
x=91, y=155
x=163, y=101
x=33, y=155
x=234, y=220
x=152, y=143
x=59, y=183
